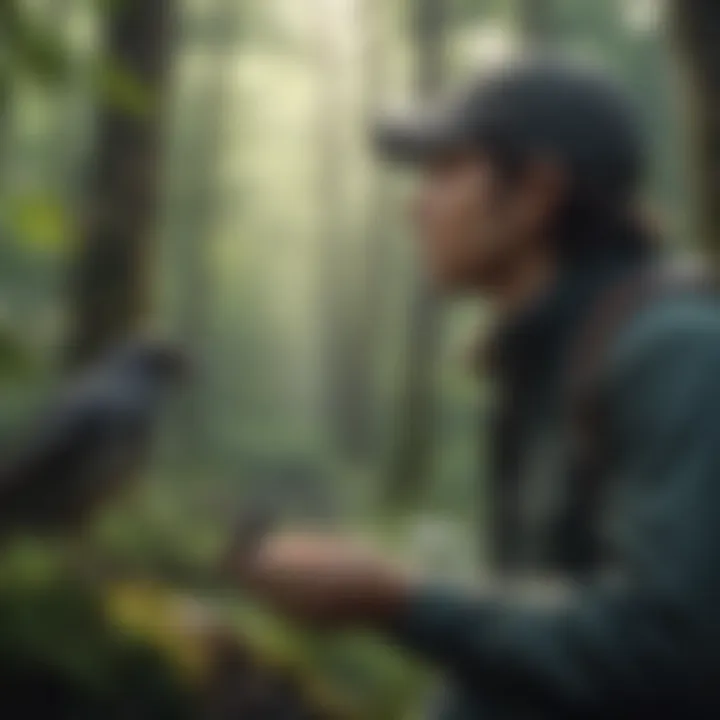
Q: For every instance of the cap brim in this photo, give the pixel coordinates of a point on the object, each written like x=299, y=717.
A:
x=417, y=138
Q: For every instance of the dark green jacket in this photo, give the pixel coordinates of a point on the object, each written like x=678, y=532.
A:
x=639, y=635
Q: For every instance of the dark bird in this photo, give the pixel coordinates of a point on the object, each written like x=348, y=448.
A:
x=89, y=442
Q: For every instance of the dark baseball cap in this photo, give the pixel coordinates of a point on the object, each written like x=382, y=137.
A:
x=534, y=106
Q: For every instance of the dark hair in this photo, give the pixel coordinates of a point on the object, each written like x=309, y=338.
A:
x=590, y=227
x=587, y=225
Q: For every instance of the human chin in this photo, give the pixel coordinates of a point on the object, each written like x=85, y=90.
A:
x=449, y=279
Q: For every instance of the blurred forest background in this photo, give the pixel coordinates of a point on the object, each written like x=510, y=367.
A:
x=202, y=168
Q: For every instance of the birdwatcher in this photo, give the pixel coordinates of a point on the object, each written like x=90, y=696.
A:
x=601, y=597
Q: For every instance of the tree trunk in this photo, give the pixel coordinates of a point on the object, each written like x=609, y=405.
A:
x=362, y=293
x=413, y=451
x=335, y=264
x=196, y=201
x=374, y=280
x=112, y=269
x=696, y=24
x=5, y=109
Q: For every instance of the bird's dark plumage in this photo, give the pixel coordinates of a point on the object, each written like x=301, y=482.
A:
x=90, y=441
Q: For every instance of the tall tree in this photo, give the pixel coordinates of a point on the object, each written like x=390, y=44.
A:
x=110, y=283
x=696, y=25
x=368, y=301
x=339, y=397
x=413, y=450
x=196, y=200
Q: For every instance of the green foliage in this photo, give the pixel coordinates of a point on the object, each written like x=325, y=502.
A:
x=59, y=648
x=138, y=650
x=16, y=359
x=39, y=222
x=122, y=90
x=29, y=51
x=37, y=55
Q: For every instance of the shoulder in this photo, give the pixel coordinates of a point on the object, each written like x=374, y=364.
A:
x=666, y=360
x=680, y=326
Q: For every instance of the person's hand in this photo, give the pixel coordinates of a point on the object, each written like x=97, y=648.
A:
x=323, y=579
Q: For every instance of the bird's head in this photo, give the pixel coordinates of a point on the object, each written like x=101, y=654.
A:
x=157, y=360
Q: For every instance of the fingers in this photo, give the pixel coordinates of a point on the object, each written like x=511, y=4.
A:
x=322, y=578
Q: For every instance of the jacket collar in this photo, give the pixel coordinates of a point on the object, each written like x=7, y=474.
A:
x=527, y=352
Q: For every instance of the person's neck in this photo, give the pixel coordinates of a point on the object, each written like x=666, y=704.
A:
x=524, y=284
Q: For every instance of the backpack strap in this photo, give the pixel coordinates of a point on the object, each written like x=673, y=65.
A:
x=616, y=307
x=610, y=316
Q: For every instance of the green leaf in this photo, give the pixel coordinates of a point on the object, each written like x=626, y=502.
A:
x=43, y=58
x=16, y=359
x=31, y=50
x=39, y=221
x=123, y=90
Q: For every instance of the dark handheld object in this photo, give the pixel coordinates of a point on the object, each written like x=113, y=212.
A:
x=249, y=530
x=90, y=441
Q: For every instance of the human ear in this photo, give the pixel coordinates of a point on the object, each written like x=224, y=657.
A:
x=545, y=189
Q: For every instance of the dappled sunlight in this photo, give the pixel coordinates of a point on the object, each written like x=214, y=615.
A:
x=487, y=45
